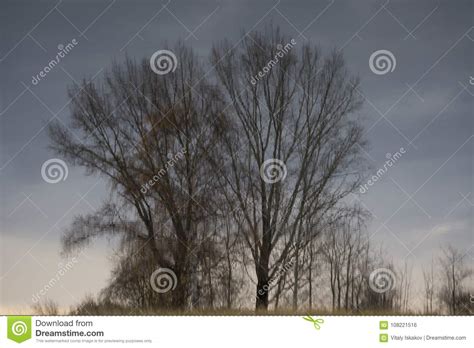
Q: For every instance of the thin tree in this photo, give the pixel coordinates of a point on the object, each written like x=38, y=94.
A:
x=454, y=272
x=429, y=287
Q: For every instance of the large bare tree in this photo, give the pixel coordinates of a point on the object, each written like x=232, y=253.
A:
x=294, y=109
x=148, y=135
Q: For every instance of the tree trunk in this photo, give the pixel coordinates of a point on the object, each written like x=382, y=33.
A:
x=310, y=277
x=454, y=289
x=296, y=275
x=262, y=276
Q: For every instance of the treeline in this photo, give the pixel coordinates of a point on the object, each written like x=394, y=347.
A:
x=239, y=191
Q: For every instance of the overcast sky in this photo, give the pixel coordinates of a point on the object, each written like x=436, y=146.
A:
x=425, y=105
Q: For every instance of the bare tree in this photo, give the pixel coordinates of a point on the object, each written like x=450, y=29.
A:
x=454, y=273
x=299, y=115
x=344, y=248
x=129, y=285
x=47, y=307
x=148, y=136
x=429, y=287
x=403, y=294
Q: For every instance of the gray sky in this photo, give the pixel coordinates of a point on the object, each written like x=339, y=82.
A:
x=425, y=105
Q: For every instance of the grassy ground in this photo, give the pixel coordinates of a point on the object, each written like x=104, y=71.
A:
x=92, y=307
x=229, y=312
